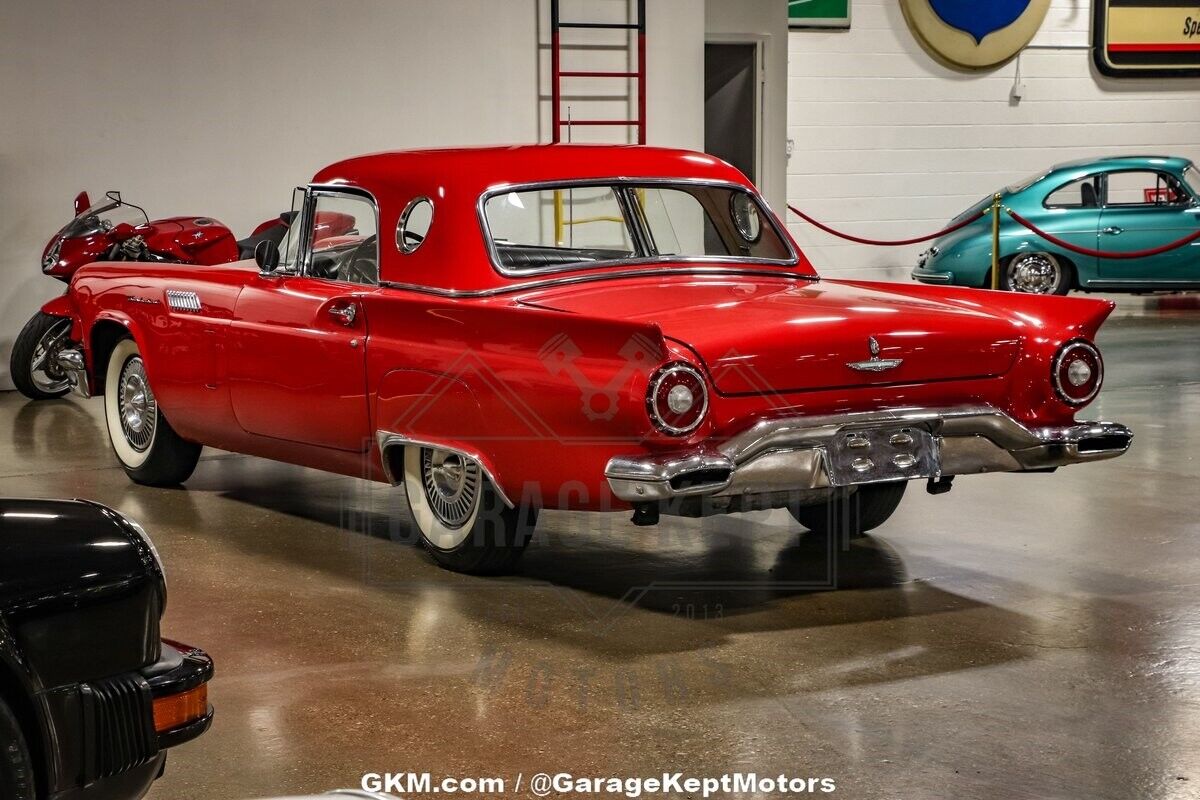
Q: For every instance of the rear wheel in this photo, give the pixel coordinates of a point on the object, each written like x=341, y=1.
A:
x=1037, y=273
x=855, y=514
x=16, y=765
x=463, y=522
x=149, y=449
x=34, y=361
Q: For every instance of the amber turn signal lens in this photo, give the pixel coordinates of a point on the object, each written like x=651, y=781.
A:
x=176, y=710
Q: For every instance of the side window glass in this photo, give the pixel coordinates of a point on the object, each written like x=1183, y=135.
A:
x=1083, y=193
x=706, y=221
x=679, y=224
x=587, y=219
x=343, y=239
x=414, y=225
x=1144, y=189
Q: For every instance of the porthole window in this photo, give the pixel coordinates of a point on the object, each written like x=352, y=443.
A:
x=414, y=225
x=745, y=216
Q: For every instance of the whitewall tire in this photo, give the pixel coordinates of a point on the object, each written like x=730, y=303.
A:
x=144, y=442
x=462, y=520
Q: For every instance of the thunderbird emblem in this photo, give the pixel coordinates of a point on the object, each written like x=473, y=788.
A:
x=875, y=363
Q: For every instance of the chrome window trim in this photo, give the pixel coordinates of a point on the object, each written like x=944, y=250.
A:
x=304, y=257
x=402, y=224
x=731, y=272
x=628, y=183
x=1159, y=171
x=1092, y=176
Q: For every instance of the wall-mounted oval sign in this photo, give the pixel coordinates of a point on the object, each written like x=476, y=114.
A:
x=970, y=34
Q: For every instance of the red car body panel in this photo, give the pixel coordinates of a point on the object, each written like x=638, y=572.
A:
x=544, y=379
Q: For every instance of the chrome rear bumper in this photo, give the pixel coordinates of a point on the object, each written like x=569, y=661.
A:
x=810, y=453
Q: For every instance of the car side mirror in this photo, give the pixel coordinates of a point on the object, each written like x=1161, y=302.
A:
x=266, y=255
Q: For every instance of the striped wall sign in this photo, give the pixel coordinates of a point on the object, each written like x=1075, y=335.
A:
x=1147, y=38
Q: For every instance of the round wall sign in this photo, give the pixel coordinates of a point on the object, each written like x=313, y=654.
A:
x=975, y=35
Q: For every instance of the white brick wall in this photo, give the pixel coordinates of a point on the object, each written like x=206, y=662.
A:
x=890, y=144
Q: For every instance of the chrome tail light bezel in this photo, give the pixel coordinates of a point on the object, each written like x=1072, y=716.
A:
x=658, y=379
x=1056, y=370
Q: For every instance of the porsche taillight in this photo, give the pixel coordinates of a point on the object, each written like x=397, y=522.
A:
x=677, y=399
x=1078, y=372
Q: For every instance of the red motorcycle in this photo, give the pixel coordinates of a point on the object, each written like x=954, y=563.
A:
x=114, y=230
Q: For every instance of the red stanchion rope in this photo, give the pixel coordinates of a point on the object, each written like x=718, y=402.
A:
x=1087, y=251
x=883, y=242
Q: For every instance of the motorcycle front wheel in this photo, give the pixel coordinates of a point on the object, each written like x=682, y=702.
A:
x=33, y=365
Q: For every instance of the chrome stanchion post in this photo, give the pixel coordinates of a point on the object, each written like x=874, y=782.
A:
x=996, y=241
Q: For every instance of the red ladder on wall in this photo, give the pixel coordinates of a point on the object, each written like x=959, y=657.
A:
x=557, y=73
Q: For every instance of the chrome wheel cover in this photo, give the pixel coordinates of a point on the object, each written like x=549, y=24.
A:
x=136, y=405
x=44, y=371
x=452, y=483
x=1037, y=273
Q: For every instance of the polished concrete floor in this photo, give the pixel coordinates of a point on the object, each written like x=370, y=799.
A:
x=1022, y=637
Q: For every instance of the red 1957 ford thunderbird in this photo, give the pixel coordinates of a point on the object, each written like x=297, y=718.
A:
x=504, y=330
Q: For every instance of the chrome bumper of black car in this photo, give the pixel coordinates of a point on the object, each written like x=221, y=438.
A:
x=825, y=453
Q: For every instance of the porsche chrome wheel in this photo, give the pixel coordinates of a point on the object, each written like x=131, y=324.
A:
x=1036, y=273
x=136, y=405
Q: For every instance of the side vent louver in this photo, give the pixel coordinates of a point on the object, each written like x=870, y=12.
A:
x=118, y=721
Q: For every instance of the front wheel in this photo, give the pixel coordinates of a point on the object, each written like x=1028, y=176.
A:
x=463, y=522
x=149, y=449
x=1037, y=273
x=34, y=361
x=853, y=515
x=16, y=766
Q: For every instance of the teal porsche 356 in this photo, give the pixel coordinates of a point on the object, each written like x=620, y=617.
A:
x=1124, y=204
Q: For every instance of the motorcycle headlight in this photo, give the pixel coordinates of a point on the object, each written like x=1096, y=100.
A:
x=51, y=257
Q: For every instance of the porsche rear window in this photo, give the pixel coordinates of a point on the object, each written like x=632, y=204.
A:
x=549, y=228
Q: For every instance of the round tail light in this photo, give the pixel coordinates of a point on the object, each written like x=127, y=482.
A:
x=677, y=399
x=1078, y=372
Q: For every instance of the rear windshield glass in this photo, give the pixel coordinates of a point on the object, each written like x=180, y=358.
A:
x=552, y=228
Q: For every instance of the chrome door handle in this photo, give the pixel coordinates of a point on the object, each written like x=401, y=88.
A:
x=344, y=314
x=1114, y=231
